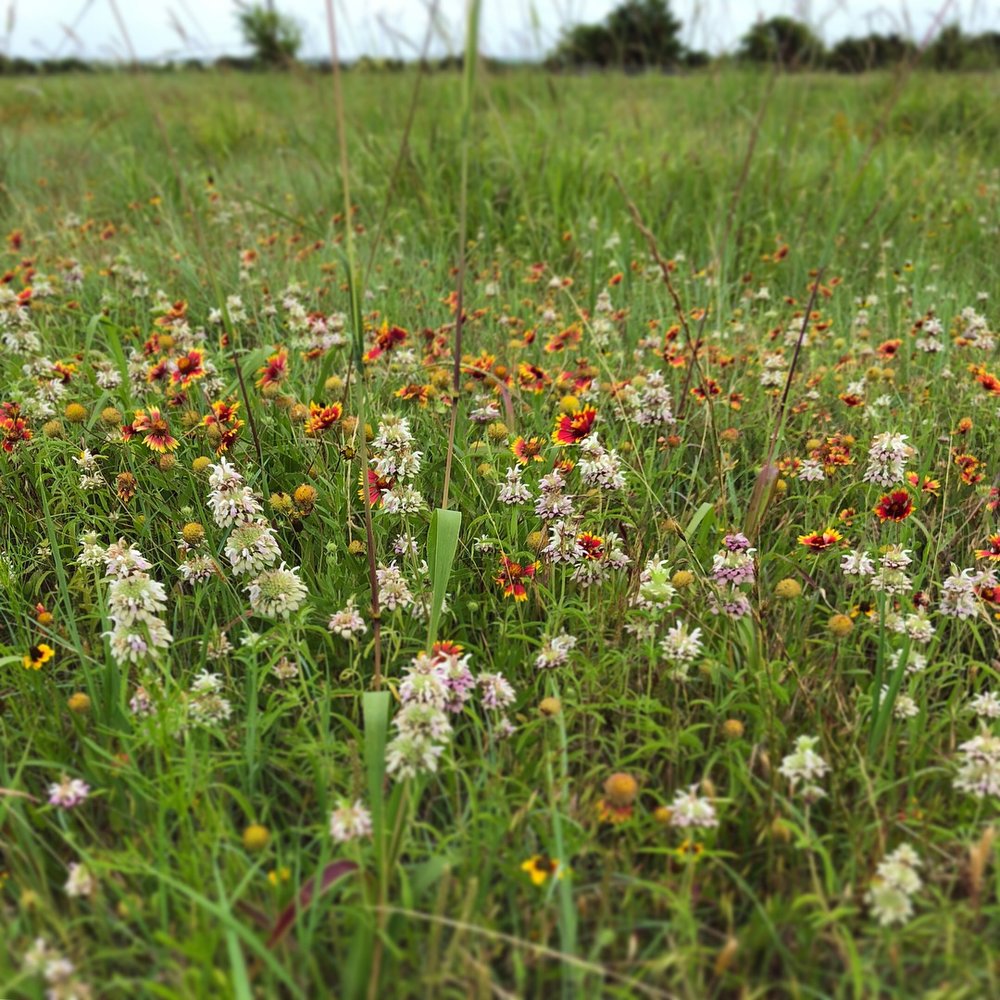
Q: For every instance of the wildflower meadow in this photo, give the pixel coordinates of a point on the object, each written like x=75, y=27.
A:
x=499, y=534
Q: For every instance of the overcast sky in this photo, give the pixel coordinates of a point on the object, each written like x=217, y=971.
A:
x=510, y=28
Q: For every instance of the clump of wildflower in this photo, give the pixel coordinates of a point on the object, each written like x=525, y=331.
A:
x=804, y=767
x=656, y=591
x=514, y=491
x=68, y=792
x=887, y=457
x=80, y=882
x=555, y=651
x=206, y=706
x=58, y=972
x=892, y=888
x=689, y=809
x=252, y=547
x=620, y=790
x=347, y=622
x=979, y=766
x=350, y=821
x=135, y=602
x=277, y=593
x=394, y=462
x=681, y=646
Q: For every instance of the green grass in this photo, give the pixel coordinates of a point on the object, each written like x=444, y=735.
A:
x=890, y=187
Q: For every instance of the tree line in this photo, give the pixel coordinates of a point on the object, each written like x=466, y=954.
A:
x=636, y=35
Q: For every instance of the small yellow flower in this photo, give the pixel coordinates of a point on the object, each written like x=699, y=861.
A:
x=193, y=533
x=840, y=625
x=279, y=875
x=38, y=655
x=78, y=703
x=540, y=867
x=690, y=850
x=682, y=578
x=256, y=837
x=200, y=464
x=550, y=706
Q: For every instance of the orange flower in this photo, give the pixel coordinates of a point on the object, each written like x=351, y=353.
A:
x=572, y=428
x=932, y=486
x=416, y=392
x=188, y=367
x=895, y=506
x=321, y=418
x=274, y=370
x=512, y=576
x=387, y=338
x=992, y=550
x=13, y=426
x=156, y=431
x=528, y=449
x=592, y=545
x=820, y=540
x=377, y=486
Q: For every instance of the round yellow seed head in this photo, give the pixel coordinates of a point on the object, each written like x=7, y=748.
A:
x=271, y=390
x=200, y=464
x=111, y=417
x=788, y=589
x=52, y=428
x=78, y=703
x=299, y=413
x=537, y=541
x=662, y=815
x=356, y=548
x=732, y=729
x=284, y=401
x=281, y=502
x=781, y=486
x=193, y=533
x=497, y=431
x=621, y=789
x=550, y=706
x=485, y=470
x=569, y=404
x=75, y=413
x=840, y=626
x=167, y=462
x=780, y=830
x=812, y=444
x=256, y=837
x=333, y=384
x=682, y=578
x=730, y=435
x=305, y=495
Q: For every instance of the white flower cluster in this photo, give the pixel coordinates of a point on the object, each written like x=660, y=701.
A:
x=555, y=651
x=434, y=686
x=689, y=809
x=252, y=548
x=979, y=766
x=599, y=467
x=653, y=404
x=58, y=972
x=681, y=646
x=135, y=600
x=887, y=457
x=803, y=766
x=395, y=461
x=895, y=882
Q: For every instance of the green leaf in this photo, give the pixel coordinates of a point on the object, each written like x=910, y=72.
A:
x=442, y=543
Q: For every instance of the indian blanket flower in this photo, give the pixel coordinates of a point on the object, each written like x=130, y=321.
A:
x=572, y=428
x=155, y=430
x=273, y=371
x=322, y=418
x=992, y=549
x=527, y=450
x=820, y=541
x=513, y=577
x=277, y=593
x=895, y=506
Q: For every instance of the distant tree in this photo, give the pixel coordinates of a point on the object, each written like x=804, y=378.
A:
x=874, y=51
x=637, y=33
x=275, y=38
x=782, y=40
